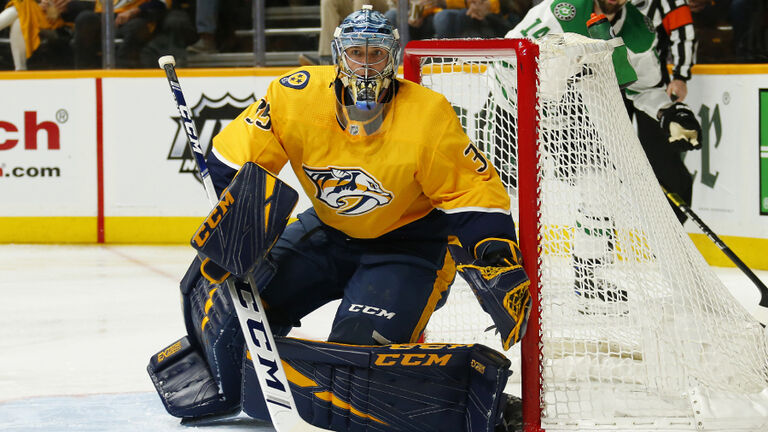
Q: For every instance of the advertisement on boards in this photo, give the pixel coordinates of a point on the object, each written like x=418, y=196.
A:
x=48, y=148
x=728, y=191
x=148, y=145
x=50, y=163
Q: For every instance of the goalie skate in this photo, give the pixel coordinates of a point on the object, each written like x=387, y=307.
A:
x=597, y=293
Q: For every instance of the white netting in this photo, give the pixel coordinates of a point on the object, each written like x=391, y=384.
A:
x=637, y=332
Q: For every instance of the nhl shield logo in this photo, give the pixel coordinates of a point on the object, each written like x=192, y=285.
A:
x=210, y=116
x=351, y=191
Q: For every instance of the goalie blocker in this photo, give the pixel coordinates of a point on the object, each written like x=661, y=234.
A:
x=209, y=373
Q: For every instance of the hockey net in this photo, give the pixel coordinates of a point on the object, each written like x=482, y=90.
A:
x=630, y=329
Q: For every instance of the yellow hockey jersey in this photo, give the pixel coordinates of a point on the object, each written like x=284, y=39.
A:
x=124, y=5
x=364, y=186
x=32, y=19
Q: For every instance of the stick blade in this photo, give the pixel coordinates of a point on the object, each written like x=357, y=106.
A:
x=761, y=314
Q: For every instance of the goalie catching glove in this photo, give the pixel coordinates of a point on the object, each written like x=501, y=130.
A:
x=681, y=126
x=500, y=284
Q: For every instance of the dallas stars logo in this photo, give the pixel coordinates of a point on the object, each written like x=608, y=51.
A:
x=210, y=115
x=564, y=11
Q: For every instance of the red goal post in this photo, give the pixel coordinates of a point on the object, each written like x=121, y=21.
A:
x=630, y=328
x=526, y=54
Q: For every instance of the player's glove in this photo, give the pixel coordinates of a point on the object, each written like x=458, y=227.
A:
x=500, y=284
x=681, y=126
x=497, y=253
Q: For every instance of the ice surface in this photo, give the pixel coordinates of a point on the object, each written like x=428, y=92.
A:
x=79, y=323
x=122, y=412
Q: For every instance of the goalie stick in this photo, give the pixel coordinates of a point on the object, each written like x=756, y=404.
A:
x=245, y=298
x=761, y=313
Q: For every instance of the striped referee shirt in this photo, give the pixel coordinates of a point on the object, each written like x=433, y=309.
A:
x=676, y=37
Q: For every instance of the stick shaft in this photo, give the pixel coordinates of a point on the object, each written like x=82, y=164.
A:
x=685, y=208
x=248, y=306
x=191, y=131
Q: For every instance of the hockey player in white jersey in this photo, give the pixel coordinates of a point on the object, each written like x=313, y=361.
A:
x=593, y=238
x=627, y=22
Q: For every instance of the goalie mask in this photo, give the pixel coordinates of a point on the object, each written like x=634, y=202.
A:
x=365, y=50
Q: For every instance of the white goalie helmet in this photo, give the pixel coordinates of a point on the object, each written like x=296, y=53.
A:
x=365, y=50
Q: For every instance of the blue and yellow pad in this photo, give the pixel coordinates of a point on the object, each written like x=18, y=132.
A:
x=250, y=216
x=185, y=384
x=503, y=294
x=408, y=387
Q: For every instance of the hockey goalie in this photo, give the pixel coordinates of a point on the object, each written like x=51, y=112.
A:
x=393, y=180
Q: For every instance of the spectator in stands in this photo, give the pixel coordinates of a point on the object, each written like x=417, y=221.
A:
x=460, y=18
x=749, y=19
x=749, y=22
x=175, y=33
x=206, y=22
x=10, y=17
x=420, y=17
x=147, y=29
x=479, y=19
x=517, y=7
x=331, y=14
x=39, y=31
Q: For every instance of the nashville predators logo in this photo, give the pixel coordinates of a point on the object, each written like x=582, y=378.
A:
x=351, y=191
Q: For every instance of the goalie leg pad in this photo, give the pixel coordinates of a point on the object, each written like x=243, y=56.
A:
x=235, y=238
x=410, y=387
x=218, y=331
x=203, y=376
x=185, y=384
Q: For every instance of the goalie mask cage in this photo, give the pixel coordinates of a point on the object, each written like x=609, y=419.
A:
x=630, y=329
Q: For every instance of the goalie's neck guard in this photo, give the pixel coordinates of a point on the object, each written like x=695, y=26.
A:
x=362, y=122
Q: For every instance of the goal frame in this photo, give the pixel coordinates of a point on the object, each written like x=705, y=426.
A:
x=526, y=55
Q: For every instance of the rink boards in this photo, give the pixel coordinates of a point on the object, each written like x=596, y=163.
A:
x=99, y=156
